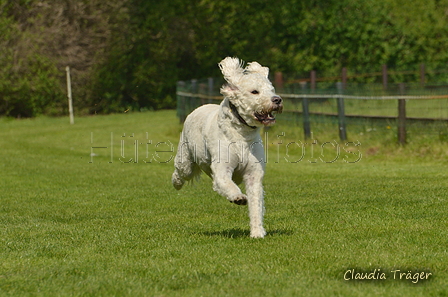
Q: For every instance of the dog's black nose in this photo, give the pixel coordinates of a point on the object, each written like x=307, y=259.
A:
x=277, y=100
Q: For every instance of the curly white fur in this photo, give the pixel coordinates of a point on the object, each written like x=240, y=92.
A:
x=224, y=140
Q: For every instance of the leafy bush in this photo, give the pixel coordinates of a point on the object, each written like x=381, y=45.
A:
x=128, y=54
x=34, y=89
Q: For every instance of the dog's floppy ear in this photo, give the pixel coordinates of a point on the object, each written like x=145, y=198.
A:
x=255, y=67
x=228, y=90
x=232, y=69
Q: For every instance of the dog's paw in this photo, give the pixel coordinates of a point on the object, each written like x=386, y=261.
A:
x=239, y=199
x=257, y=233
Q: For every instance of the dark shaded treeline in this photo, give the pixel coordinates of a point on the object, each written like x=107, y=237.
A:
x=129, y=54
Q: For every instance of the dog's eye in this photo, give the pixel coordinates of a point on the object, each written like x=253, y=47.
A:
x=255, y=92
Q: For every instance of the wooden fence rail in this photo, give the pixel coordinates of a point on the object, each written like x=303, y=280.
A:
x=193, y=94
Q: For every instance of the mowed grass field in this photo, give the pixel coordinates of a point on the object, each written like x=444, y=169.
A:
x=89, y=210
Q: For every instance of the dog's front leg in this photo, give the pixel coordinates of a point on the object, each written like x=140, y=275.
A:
x=255, y=197
x=224, y=185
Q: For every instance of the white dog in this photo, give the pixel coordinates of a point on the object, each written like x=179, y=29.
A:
x=224, y=140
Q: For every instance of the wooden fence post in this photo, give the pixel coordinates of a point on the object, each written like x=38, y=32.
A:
x=344, y=78
x=341, y=113
x=402, y=116
x=313, y=80
x=384, y=76
x=278, y=81
x=305, y=112
x=193, y=101
x=210, y=89
x=181, y=102
x=422, y=74
x=69, y=95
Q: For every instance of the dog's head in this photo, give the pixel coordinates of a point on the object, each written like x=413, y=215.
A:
x=250, y=90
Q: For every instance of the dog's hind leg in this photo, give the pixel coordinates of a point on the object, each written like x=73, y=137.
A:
x=180, y=176
x=184, y=172
x=185, y=168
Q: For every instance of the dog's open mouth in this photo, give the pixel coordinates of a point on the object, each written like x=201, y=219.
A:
x=266, y=118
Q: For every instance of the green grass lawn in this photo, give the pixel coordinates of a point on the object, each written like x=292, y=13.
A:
x=76, y=224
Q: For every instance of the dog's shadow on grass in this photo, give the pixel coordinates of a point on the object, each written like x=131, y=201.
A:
x=237, y=233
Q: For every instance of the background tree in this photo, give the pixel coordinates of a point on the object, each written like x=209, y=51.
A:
x=129, y=54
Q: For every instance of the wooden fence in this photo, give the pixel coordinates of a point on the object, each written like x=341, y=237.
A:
x=191, y=94
x=384, y=76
